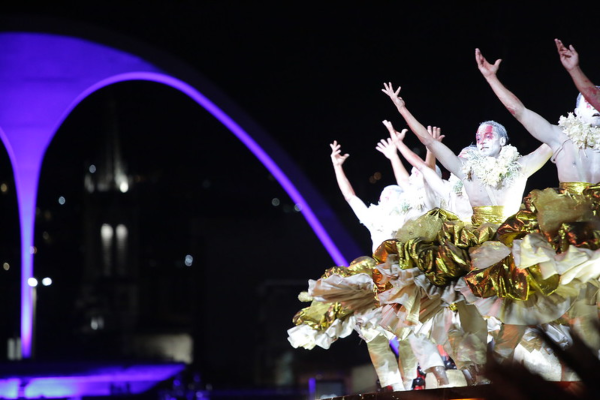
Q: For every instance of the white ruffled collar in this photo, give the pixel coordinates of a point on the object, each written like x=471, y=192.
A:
x=492, y=170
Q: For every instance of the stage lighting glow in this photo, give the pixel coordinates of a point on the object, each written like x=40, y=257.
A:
x=42, y=83
x=106, y=232
x=87, y=380
x=32, y=282
x=47, y=281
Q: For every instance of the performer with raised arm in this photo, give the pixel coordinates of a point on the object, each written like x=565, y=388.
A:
x=575, y=141
x=559, y=240
x=421, y=190
x=570, y=60
x=496, y=175
x=451, y=192
x=382, y=219
x=345, y=296
x=494, y=178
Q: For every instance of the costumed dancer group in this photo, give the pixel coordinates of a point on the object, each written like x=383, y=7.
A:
x=468, y=264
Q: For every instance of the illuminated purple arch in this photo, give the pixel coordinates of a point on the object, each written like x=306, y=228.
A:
x=43, y=77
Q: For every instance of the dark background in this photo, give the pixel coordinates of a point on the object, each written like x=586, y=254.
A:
x=308, y=73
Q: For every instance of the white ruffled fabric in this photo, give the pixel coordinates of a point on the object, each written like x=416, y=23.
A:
x=413, y=304
x=575, y=264
x=306, y=337
x=356, y=292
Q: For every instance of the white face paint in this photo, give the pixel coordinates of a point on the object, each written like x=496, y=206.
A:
x=489, y=143
x=587, y=113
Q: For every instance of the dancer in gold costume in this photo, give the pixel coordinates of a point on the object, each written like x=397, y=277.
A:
x=344, y=299
x=554, y=240
x=439, y=244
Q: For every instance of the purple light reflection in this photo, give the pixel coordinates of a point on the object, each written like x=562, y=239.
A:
x=89, y=381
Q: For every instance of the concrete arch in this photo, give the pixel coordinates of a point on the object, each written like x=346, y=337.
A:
x=42, y=79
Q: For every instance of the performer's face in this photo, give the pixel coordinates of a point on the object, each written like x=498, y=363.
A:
x=587, y=113
x=489, y=143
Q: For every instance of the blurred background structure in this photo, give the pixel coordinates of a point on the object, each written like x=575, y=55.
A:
x=161, y=239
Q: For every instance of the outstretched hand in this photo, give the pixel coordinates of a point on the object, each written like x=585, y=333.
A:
x=568, y=56
x=395, y=136
x=484, y=66
x=387, y=148
x=436, y=133
x=388, y=89
x=336, y=154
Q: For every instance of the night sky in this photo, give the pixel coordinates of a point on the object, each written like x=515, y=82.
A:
x=308, y=74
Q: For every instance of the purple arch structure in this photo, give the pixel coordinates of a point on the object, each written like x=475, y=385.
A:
x=42, y=79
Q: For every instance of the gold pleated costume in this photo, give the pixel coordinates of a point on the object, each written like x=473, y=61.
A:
x=438, y=242
x=563, y=217
x=320, y=315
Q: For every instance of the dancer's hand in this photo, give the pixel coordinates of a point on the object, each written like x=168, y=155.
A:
x=336, y=154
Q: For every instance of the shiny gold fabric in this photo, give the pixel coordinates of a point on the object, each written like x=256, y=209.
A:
x=320, y=315
x=506, y=280
x=565, y=216
x=491, y=214
x=573, y=187
x=438, y=243
x=360, y=265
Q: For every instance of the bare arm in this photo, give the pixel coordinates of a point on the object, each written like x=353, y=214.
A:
x=437, y=135
x=448, y=159
x=434, y=181
x=337, y=159
x=388, y=149
x=535, y=160
x=539, y=127
x=570, y=60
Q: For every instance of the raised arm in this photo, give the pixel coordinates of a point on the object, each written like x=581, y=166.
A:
x=448, y=159
x=535, y=160
x=570, y=60
x=536, y=125
x=437, y=135
x=433, y=179
x=337, y=159
x=388, y=149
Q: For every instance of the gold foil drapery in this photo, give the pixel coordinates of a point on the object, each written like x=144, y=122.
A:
x=565, y=216
x=438, y=243
x=320, y=315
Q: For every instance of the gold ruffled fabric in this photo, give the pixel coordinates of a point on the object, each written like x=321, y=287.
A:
x=438, y=243
x=320, y=315
x=565, y=216
x=506, y=280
